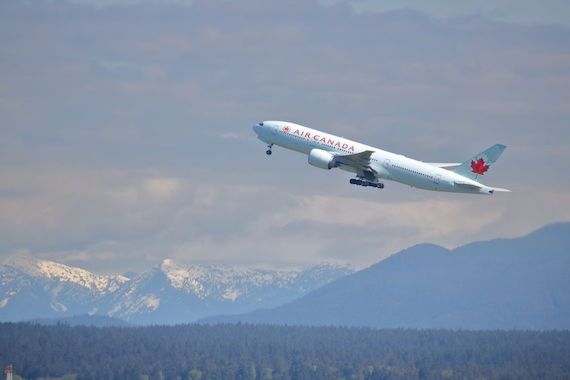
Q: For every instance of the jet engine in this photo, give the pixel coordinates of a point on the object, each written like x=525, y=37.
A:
x=321, y=159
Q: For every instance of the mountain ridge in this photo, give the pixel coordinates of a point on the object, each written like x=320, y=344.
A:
x=520, y=283
x=51, y=270
x=32, y=288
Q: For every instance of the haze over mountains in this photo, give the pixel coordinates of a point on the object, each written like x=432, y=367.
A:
x=521, y=283
x=31, y=288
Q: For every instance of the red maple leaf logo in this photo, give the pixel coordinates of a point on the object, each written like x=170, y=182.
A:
x=286, y=129
x=479, y=167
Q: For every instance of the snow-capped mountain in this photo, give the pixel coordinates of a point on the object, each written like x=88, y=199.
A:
x=55, y=272
x=169, y=293
x=222, y=282
x=175, y=294
x=32, y=288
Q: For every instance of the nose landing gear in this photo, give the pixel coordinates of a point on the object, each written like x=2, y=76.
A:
x=268, y=151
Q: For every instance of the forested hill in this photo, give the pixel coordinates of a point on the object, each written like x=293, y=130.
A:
x=273, y=352
x=521, y=283
x=82, y=320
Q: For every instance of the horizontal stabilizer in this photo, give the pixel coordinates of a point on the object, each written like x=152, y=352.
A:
x=444, y=165
x=468, y=185
x=476, y=186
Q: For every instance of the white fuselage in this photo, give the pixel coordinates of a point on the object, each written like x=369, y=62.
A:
x=387, y=165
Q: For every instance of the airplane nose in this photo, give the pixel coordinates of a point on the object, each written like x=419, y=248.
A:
x=257, y=127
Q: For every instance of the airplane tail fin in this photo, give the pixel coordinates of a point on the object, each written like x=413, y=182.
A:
x=476, y=166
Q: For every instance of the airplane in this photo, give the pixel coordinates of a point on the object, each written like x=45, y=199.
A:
x=372, y=165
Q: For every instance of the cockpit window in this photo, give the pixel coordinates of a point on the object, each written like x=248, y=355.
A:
x=261, y=123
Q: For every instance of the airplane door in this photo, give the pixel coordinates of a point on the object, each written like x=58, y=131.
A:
x=436, y=179
x=386, y=172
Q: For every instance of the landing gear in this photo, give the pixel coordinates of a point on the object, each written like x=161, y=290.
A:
x=366, y=183
x=268, y=151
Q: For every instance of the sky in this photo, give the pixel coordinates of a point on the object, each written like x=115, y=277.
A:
x=125, y=126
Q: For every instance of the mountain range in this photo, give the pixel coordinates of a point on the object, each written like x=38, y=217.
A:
x=31, y=289
x=520, y=283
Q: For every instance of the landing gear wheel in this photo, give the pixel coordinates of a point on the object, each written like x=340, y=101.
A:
x=268, y=152
x=366, y=183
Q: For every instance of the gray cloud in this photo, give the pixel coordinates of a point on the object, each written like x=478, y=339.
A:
x=126, y=138
x=519, y=11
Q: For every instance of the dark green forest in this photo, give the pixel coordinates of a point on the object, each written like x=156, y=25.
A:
x=280, y=352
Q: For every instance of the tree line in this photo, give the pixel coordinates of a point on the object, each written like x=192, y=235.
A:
x=190, y=352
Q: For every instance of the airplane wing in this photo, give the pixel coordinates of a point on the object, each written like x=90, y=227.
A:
x=362, y=158
x=444, y=165
x=360, y=162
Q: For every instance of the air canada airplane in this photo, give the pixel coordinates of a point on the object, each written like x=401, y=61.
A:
x=372, y=165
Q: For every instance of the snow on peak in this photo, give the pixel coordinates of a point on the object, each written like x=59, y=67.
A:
x=171, y=291
x=183, y=278
x=231, y=283
x=50, y=270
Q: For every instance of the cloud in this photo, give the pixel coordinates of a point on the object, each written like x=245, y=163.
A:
x=123, y=3
x=162, y=188
x=229, y=135
x=519, y=11
x=126, y=133
x=112, y=219
x=421, y=216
